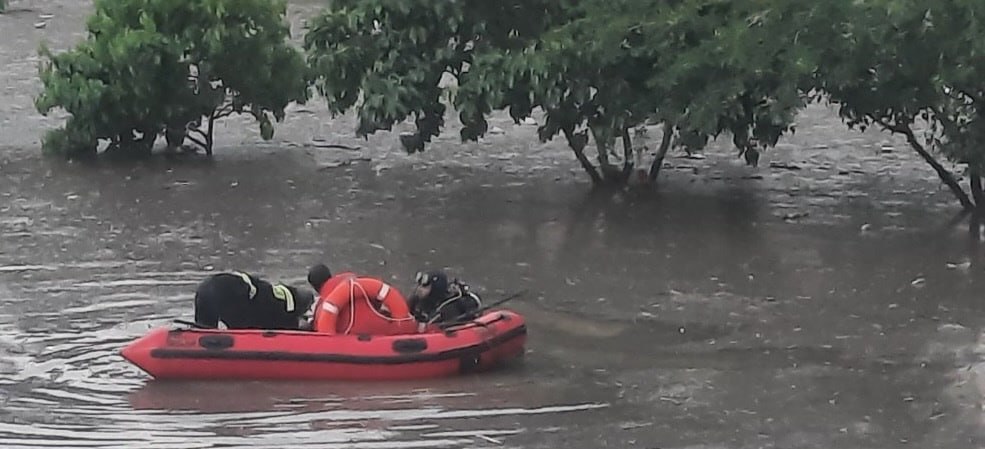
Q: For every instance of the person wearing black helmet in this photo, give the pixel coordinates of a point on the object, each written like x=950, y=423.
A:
x=437, y=300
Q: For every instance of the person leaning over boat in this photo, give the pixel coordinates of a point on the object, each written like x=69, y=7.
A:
x=352, y=304
x=246, y=301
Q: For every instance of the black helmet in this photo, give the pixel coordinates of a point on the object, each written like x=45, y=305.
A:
x=318, y=275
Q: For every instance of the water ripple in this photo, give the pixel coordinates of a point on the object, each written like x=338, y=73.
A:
x=64, y=384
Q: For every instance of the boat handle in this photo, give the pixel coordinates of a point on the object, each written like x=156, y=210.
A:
x=216, y=341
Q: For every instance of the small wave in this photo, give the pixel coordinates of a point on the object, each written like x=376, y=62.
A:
x=469, y=433
x=50, y=434
x=78, y=397
x=431, y=413
x=17, y=235
x=19, y=268
x=411, y=427
x=416, y=395
x=109, y=305
x=160, y=274
x=131, y=283
x=35, y=401
x=47, y=442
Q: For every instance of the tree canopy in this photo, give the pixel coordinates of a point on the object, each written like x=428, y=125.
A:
x=910, y=66
x=598, y=69
x=592, y=71
x=149, y=67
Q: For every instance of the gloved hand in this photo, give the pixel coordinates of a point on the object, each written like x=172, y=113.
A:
x=306, y=325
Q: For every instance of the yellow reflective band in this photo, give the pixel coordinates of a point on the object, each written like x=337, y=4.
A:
x=283, y=293
x=246, y=278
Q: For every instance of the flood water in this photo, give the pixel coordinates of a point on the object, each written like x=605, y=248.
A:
x=686, y=318
x=818, y=301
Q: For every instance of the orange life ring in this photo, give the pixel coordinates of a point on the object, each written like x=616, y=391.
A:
x=334, y=302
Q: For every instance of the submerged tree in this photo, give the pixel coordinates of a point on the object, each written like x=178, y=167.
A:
x=150, y=67
x=390, y=56
x=912, y=69
x=597, y=69
x=700, y=68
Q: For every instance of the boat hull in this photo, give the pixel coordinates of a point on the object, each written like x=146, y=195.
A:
x=491, y=340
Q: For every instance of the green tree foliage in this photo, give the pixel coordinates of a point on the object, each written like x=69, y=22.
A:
x=391, y=55
x=600, y=68
x=903, y=66
x=149, y=67
x=701, y=68
x=596, y=68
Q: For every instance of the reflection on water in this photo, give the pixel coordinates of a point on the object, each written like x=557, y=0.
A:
x=65, y=386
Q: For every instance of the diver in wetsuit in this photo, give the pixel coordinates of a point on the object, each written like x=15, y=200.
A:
x=436, y=300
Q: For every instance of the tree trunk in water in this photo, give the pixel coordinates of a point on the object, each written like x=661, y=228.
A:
x=603, y=147
x=661, y=152
x=976, y=191
x=577, y=144
x=975, y=231
x=977, y=215
x=946, y=177
x=610, y=173
x=627, y=154
x=208, y=136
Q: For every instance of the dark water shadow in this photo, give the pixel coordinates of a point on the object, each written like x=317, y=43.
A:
x=238, y=396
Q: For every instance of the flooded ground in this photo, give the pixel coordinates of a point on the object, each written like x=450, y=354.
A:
x=819, y=300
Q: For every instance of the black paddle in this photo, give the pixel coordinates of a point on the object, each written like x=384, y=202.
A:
x=192, y=324
x=469, y=316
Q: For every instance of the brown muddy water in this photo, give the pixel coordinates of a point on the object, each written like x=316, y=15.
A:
x=817, y=301
x=680, y=319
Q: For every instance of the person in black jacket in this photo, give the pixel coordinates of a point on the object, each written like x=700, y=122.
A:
x=245, y=301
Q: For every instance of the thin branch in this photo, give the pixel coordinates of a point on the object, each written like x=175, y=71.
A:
x=223, y=112
x=194, y=139
x=658, y=161
x=946, y=176
x=209, y=137
x=627, y=152
x=578, y=146
x=197, y=130
x=899, y=129
x=972, y=95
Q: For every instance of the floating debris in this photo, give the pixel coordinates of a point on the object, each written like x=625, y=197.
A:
x=959, y=266
x=794, y=216
x=332, y=164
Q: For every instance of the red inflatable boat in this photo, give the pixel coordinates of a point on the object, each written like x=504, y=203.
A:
x=494, y=338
